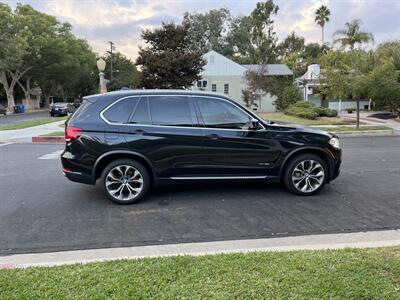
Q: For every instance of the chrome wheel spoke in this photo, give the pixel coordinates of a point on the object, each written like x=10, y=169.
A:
x=308, y=176
x=124, y=182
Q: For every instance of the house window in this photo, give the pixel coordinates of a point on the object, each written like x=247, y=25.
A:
x=226, y=88
x=211, y=59
x=199, y=83
x=204, y=83
x=213, y=87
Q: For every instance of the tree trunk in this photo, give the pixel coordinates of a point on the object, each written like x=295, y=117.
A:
x=358, y=113
x=9, y=89
x=323, y=40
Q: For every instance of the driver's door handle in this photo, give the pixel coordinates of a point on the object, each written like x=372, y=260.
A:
x=213, y=136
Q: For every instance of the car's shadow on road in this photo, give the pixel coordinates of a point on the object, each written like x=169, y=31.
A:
x=191, y=192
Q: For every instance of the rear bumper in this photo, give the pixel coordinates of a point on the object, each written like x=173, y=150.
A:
x=79, y=177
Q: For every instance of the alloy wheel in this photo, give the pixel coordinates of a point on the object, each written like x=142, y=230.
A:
x=308, y=176
x=124, y=182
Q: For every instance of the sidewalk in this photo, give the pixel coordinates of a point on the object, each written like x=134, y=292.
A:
x=364, y=117
x=26, y=134
x=366, y=239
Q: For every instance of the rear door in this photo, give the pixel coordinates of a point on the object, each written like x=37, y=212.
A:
x=163, y=129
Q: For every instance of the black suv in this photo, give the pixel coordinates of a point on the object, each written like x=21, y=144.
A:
x=132, y=140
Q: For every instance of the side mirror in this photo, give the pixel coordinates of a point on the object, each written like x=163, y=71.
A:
x=254, y=124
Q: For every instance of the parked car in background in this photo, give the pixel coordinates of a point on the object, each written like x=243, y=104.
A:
x=61, y=109
x=3, y=110
x=132, y=140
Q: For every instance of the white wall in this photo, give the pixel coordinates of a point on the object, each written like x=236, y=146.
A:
x=346, y=104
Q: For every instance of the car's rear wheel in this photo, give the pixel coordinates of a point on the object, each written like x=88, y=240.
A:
x=305, y=174
x=125, y=181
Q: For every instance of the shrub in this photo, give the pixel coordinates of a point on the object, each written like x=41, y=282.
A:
x=289, y=95
x=308, y=110
x=326, y=112
x=302, y=112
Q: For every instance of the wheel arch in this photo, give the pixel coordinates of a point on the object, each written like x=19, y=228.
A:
x=312, y=150
x=110, y=156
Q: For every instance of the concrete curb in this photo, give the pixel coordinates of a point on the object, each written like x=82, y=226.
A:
x=368, y=239
x=48, y=139
x=370, y=133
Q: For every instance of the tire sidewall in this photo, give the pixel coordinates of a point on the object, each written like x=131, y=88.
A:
x=293, y=163
x=133, y=163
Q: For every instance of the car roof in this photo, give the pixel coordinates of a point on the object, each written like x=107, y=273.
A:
x=123, y=93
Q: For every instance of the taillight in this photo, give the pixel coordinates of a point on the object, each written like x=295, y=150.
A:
x=72, y=133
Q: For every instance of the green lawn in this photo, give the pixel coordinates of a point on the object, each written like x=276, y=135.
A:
x=333, y=274
x=55, y=133
x=31, y=123
x=286, y=119
x=362, y=128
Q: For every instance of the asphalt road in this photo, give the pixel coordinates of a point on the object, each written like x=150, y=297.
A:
x=17, y=118
x=42, y=211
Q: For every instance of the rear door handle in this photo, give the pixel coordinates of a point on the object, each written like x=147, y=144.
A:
x=213, y=136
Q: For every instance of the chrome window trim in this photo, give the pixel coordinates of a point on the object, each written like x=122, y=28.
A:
x=109, y=106
x=187, y=127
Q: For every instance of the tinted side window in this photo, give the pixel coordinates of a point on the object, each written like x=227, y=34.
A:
x=222, y=114
x=170, y=110
x=121, y=110
x=141, y=115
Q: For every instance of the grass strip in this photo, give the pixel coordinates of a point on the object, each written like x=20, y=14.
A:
x=323, y=274
x=31, y=123
x=55, y=133
x=351, y=129
x=286, y=119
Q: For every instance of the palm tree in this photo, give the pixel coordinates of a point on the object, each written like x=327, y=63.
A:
x=322, y=17
x=351, y=35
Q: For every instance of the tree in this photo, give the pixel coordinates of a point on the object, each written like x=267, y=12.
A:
x=389, y=50
x=168, y=61
x=383, y=86
x=263, y=36
x=352, y=35
x=321, y=18
x=292, y=44
x=125, y=72
x=239, y=40
x=207, y=31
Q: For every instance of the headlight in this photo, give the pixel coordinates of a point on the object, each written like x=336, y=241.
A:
x=334, y=142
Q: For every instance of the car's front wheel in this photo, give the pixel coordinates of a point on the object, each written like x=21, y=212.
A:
x=305, y=174
x=125, y=181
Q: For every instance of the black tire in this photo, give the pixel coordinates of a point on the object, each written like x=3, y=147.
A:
x=289, y=173
x=136, y=166
x=51, y=115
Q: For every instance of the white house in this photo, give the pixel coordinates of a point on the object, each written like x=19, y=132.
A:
x=223, y=75
x=311, y=80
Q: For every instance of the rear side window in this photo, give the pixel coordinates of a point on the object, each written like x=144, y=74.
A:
x=83, y=113
x=121, y=110
x=142, y=114
x=170, y=110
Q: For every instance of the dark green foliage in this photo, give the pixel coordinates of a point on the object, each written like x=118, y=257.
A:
x=168, y=61
x=125, y=73
x=308, y=110
x=289, y=95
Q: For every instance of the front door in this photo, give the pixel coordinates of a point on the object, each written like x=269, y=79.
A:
x=231, y=149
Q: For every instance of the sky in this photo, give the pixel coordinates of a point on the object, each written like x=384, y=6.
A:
x=121, y=21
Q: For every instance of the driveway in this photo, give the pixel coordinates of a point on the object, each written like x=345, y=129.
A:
x=41, y=211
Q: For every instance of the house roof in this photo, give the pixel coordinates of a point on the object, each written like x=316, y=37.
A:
x=219, y=65
x=270, y=69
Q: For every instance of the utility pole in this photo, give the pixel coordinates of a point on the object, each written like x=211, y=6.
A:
x=112, y=47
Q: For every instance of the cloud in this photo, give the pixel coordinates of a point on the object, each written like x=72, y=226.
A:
x=122, y=20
